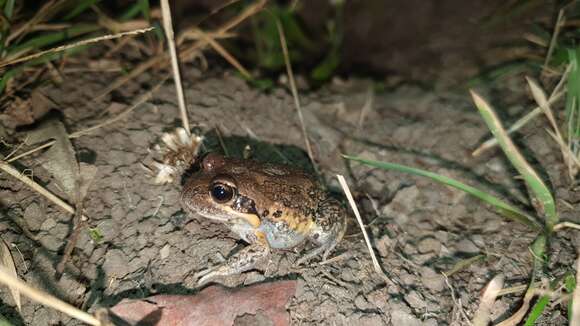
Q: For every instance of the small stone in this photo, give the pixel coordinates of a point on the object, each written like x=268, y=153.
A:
x=116, y=264
x=164, y=252
x=384, y=245
x=430, y=322
x=407, y=278
x=33, y=216
x=415, y=300
x=429, y=245
x=467, y=246
x=361, y=303
x=399, y=317
x=432, y=280
x=110, y=229
x=402, y=205
x=140, y=137
x=60, y=230
x=48, y=224
x=50, y=242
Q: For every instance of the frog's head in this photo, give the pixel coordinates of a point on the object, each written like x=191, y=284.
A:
x=214, y=192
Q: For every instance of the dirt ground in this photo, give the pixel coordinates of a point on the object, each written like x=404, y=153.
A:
x=419, y=229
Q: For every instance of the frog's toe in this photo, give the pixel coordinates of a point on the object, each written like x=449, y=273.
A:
x=309, y=255
x=205, y=278
x=204, y=275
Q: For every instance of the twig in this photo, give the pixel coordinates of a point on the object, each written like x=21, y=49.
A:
x=142, y=99
x=575, y=320
x=74, y=45
x=46, y=299
x=225, y=54
x=570, y=225
x=162, y=59
x=36, y=187
x=352, y=203
x=295, y=93
x=168, y=27
x=79, y=224
x=559, y=22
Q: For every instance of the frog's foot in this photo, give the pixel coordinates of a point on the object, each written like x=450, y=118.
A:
x=309, y=255
x=244, y=260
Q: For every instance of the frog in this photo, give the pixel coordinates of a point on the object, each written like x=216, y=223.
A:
x=269, y=206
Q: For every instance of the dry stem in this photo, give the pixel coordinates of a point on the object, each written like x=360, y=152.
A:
x=46, y=299
x=168, y=27
x=352, y=203
x=70, y=46
x=295, y=93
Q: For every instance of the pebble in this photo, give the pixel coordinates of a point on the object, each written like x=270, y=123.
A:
x=467, y=246
x=48, y=224
x=415, y=300
x=429, y=245
x=432, y=280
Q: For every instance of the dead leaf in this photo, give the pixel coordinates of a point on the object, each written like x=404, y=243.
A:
x=214, y=305
x=60, y=159
x=7, y=262
x=26, y=110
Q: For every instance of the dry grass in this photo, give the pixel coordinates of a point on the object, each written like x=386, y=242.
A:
x=46, y=299
x=76, y=44
x=295, y=93
x=376, y=265
x=168, y=27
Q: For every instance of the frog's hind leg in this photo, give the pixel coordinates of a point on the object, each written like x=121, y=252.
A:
x=244, y=260
x=329, y=229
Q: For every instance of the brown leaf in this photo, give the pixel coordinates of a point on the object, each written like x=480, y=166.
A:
x=26, y=110
x=214, y=305
x=7, y=262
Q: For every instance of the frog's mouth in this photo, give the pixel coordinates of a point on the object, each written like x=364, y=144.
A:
x=227, y=214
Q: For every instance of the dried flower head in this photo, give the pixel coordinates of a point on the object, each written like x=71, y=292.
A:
x=179, y=153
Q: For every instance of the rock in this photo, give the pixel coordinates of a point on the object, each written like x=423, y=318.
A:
x=33, y=216
x=116, y=264
x=50, y=242
x=415, y=300
x=429, y=245
x=48, y=224
x=361, y=303
x=164, y=252
x=432, y=280
x=384, y=245
x=404, y=318
x=402, y=205
x=467, y=246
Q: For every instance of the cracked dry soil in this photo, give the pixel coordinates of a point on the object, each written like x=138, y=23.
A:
x=418, y=228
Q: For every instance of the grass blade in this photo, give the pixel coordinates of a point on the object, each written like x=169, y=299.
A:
x=537, y=310
x=573, y=87
x=80, y=7
x=574, y=306
x=4, y=321
x=543, y=200
x=507, y=210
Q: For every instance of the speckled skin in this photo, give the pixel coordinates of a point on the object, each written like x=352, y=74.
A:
x=272, y=207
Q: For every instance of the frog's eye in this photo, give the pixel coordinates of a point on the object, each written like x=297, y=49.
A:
x=221, y=192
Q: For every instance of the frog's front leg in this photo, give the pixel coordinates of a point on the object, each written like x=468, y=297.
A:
x=244, y=260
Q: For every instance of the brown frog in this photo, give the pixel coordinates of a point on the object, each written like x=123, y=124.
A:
x=269, y=206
